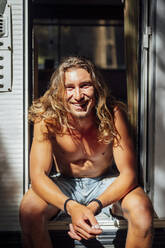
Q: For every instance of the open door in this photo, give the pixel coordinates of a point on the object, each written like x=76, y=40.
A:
x=103, y=32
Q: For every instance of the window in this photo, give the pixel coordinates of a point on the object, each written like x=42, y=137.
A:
x=102, y=41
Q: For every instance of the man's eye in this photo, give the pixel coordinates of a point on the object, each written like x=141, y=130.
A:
x=85, y=85
x=69, y=87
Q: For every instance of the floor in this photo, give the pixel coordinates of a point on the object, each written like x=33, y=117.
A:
x=115, y=239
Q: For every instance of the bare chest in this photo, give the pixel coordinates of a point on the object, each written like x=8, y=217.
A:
x=73, y=149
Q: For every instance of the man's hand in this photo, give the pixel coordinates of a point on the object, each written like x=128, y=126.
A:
x=84, y=224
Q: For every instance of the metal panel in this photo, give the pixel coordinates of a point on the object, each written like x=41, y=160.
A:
x=11, y=130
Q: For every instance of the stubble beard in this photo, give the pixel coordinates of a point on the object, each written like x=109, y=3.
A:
x=80, y=115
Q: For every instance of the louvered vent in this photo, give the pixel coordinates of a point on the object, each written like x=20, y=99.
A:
x=5, y=50
x=2, y=26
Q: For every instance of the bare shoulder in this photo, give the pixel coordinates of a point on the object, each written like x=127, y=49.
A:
x=120, y=118
x=40, y=131
x=123, y=128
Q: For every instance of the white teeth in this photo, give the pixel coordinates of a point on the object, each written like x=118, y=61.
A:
x=79, y=105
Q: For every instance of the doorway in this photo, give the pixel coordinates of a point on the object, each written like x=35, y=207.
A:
x=95, y=31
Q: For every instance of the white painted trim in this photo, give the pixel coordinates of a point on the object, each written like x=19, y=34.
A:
x=26, y=103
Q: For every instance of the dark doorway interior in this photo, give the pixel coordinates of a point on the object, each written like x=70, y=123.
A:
x=64, y=28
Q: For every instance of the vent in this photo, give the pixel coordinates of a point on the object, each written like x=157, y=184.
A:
x=2, y=26
x=5, y=50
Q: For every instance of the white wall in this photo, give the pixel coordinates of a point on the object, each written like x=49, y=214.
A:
x=11, y=131
x=159, y=162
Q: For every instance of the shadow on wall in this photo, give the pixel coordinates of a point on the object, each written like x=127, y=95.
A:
x=8, y=191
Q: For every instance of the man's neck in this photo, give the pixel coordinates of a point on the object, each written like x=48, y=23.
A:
x=83, y=125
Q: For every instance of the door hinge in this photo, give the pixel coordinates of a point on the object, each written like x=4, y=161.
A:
x=146, y=37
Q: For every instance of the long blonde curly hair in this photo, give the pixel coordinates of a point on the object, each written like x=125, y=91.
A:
x=51, y=108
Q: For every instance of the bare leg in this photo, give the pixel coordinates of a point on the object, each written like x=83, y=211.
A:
x=34, y=215
x=138, y=210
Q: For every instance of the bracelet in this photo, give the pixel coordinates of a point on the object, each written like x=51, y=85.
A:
x=100, y=205
x=65, y=204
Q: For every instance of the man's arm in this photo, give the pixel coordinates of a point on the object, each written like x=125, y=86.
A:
x=40, y=166
x=125, y=159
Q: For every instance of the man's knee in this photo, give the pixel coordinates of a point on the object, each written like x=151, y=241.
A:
x=140, y=213
x=31, y=216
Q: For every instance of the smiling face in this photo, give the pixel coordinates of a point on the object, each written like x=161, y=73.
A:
x=79, y=92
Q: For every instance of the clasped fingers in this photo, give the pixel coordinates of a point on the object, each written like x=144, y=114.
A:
x=78, y=233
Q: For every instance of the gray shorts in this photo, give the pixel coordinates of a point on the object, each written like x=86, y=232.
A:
x=83, y=190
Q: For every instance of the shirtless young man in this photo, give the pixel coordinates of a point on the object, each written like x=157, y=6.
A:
x=83, y=129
